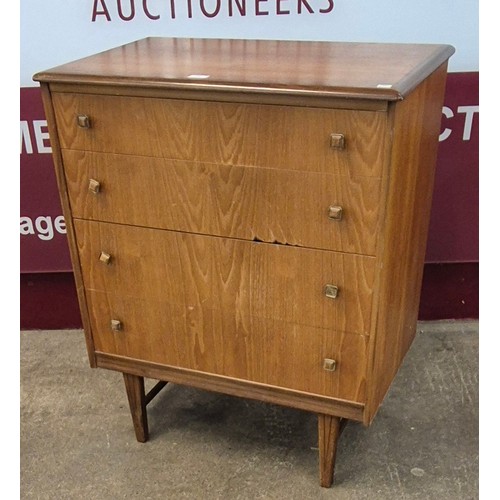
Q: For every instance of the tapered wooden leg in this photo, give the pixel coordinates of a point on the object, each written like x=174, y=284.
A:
x=137, y=402
x=328, y=434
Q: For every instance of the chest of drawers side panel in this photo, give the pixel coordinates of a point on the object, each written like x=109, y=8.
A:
x=402, y=244
x=66, y=208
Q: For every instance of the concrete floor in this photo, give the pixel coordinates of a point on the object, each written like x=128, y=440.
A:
x=77, y=440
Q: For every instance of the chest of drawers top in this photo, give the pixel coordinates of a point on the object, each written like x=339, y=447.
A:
x=368, y=71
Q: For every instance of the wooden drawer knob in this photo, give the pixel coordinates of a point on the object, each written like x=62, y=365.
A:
x=105, y=258
x=331, y=291
x=94, y=186
x=116, y=325
x=335, y=213
x=337, y=141
x=83, y=121
x=329, y=365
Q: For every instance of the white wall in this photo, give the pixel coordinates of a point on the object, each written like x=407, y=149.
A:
x=57, y=31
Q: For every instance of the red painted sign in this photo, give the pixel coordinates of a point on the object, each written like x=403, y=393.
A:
x=116, y=10
x=454, y=228
x=44, y=247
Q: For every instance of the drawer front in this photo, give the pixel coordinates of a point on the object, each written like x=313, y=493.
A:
x=294, y=138
x=267, y=351
x=245, y=279
x=250, y=203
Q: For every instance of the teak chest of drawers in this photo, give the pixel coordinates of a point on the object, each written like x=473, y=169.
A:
x=250, y=217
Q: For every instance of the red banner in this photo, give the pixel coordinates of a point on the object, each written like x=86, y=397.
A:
x=44, y=247
x=454, y=229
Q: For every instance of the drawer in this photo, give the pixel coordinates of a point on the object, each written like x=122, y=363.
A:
x=243, y=202
x=294, y=138
x=246, y=279
x=267, y=351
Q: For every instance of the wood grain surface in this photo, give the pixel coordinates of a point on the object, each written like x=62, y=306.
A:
x=285, y=137
x=403, y=239
x=244, y=279
x=328, y=436
x=233, y=386
x=136, y=396
x=269, y=205
x=303, y=99
x=360, y=70
x=223, y=342
x=66, y=209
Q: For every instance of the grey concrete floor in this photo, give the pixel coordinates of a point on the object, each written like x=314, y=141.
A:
x=77, y=439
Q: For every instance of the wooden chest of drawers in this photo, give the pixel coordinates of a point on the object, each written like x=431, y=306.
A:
x=250, y=217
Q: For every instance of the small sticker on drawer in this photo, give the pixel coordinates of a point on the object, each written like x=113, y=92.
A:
x=198, y=77
x=384, y=86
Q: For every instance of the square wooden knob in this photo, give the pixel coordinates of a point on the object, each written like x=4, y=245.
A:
x=329, y=365
x=331, y=291
x=83, y=121
x=337, y=141
x=116, y=325
x=105, y=258
x=94, y=186
x=335, y=212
